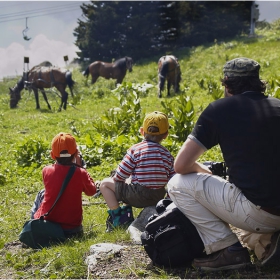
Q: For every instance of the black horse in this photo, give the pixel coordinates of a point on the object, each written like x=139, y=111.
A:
x=116, y=70
x=168, y=69
x=39, y=78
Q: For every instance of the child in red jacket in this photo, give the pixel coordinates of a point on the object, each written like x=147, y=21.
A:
x=68, y=210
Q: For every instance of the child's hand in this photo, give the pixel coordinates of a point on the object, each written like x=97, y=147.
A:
x=79, y=160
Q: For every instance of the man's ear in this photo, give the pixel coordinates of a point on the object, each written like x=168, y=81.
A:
x=141, y=130
x=226, y=93
x=166, y=134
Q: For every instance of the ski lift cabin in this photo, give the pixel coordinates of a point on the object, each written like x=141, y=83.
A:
x=25, y=37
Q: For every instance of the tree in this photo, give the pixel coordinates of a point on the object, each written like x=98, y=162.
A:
x=141, y=29
x=116, y=29
x=204, y=21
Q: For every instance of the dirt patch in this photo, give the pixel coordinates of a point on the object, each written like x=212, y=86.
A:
x=133, y=263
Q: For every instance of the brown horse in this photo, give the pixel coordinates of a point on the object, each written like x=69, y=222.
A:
x=39, y=78
x=168, y=69
x=116, y=70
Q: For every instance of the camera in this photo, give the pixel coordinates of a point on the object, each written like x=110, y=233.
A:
x=83, y=162
x=217, y=168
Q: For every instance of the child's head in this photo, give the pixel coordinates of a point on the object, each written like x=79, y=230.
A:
x=155, y=126
x=64, y=148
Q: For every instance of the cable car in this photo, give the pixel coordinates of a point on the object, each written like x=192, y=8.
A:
x=25, y=37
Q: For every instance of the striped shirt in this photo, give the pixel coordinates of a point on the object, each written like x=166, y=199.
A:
x=148, y=163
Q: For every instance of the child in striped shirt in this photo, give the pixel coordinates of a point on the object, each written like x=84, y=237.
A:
x=141, y=176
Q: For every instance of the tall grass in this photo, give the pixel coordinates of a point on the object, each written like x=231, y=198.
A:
x=26, y=134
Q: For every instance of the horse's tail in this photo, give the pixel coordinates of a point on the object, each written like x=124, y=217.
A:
x=69, y=81
x=86, y=72
x=164, y=69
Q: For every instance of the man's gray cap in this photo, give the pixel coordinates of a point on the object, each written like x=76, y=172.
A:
x=241, y=67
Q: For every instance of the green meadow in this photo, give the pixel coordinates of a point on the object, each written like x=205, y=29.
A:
x=105, y=121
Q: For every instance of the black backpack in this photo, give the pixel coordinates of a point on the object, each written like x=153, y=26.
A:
x=170, y=239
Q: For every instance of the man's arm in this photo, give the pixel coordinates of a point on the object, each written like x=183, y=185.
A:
x=186, y=163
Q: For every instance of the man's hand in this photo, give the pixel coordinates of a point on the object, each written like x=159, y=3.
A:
x=186, y=160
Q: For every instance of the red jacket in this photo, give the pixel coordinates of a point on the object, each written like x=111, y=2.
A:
x=68, y=210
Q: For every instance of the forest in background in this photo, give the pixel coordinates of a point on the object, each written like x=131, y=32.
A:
x=142, y=29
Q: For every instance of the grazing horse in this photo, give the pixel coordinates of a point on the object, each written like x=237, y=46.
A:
x=39, y=78
x=116, y=70
x=168, y=69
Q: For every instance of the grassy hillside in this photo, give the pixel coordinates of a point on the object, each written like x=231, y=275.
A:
x=104, y=134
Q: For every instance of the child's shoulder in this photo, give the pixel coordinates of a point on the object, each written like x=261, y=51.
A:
x=147, y=144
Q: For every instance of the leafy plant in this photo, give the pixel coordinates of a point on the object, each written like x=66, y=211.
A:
x=126, y=118
x=181, y=116
x=273, y=87
x=201, y=83
x=214, y=89
x=33, y=152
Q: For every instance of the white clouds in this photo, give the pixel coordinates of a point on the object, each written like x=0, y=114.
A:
x=51, y=34
x=269, y=10
x=40, y=49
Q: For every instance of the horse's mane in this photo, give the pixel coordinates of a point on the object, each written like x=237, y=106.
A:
x=20, y=84
x=121, y=62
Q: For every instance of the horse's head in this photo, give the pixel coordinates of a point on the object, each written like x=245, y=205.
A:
x=14, y=97
x=15, y=93
x=129, y=63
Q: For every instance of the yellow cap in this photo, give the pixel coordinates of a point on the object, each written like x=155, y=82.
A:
x=156, y=119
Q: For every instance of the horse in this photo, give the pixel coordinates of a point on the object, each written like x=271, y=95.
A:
x=116, y=70
x=168, y=69
x=39, y=78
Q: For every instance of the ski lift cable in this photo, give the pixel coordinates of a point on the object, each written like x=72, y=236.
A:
x=39, y=15
x=36, y=11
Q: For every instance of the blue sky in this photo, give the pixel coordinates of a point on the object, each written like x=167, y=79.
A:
x=51, y=25
x=269, y=10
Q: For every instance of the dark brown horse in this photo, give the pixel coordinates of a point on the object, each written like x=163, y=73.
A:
x=116, y=70
x=39, y=78
x=168, y=69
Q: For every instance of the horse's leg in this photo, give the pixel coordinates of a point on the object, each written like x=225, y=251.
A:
x=46, y=99
x=119, y=76
x=70, y=83
x=176, y=87
x=119, y=81
x=64, y=98
x=177, y=83
x=168, y=87
x=35, y=90
x=94, y=78
x=71, y=90
x=161, y=82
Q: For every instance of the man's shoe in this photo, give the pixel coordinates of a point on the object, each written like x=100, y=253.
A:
x=224, y=260
x=272, y=256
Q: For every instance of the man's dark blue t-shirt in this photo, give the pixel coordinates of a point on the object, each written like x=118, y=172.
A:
x=247, y=128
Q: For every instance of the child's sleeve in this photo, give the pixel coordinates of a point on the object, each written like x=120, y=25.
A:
x=125, y=168
x=89, y=187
